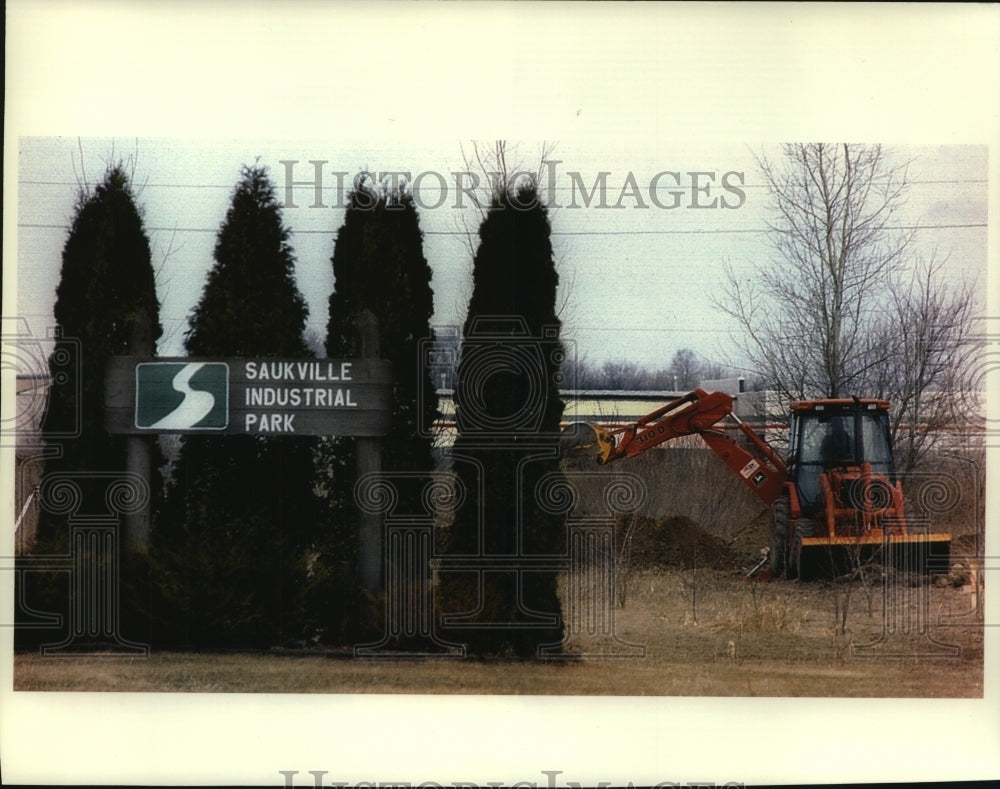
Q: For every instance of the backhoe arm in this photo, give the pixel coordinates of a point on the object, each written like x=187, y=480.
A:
x=697, y=413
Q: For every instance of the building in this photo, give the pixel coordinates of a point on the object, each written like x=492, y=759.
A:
x=32, y=396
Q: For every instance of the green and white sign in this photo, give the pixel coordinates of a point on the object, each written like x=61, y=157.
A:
x=177, y=396
x=248, y=396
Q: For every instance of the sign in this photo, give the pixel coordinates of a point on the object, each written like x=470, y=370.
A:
x=251, y=396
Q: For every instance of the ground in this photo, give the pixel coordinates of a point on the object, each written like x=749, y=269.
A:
x=696, y=632
x=682, y=619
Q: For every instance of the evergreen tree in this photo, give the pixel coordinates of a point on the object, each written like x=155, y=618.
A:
x=379, y=265
x=105, y=297
x=508, y=412
x=232, y=541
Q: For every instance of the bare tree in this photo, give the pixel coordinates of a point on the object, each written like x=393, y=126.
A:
x=685, y=371
x=491, y=171
x=929, y=360
x=843, y=308
x=809, y=316
x=494, y=169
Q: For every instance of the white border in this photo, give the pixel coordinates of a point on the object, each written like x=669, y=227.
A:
x=895, y=74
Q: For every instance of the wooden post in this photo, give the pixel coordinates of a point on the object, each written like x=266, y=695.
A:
x=137, y=450
x=369, y=461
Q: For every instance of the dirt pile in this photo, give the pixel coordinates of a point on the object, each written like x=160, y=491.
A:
x=676, y=542
x=747, y=543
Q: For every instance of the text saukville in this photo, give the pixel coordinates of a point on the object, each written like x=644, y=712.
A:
x=309, y=396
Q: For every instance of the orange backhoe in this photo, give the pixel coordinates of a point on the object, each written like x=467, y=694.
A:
x=836, y=500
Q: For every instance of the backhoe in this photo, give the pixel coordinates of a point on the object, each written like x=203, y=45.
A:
x=836, y=500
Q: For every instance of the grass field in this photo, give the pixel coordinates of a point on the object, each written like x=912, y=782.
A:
x=680, y=632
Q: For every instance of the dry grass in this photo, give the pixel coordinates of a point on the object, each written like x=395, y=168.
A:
x=702, y=633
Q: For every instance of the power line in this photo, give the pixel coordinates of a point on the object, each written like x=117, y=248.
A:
x=305, y=185
x=138, y=186
x=717, y=231
x=630, y=329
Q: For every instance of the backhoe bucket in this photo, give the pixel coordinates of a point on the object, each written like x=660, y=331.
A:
x=825, y=557
x=583, y=439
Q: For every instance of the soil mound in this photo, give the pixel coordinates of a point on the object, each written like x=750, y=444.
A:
x=675, y=542
x=747, y=543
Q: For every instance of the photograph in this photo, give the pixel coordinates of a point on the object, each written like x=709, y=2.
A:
x=380, y=382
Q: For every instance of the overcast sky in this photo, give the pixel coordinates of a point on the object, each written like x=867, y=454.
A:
x=637, y=281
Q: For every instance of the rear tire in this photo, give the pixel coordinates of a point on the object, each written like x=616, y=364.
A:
x=779, y=534
x=804, y=527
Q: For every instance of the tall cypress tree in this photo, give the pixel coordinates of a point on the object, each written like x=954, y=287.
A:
x=508, y=412
x=105, y=297
x=232, y=540
x=379, y=266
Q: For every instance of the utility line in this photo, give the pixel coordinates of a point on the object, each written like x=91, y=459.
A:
x=334, y=231
x=305, y=185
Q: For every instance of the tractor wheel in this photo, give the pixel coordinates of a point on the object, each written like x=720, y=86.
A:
x=915, y=524
x=779, y=534
x=804, y=527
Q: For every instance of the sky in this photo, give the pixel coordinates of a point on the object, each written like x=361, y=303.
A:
x=638, y=281
x=623, y=88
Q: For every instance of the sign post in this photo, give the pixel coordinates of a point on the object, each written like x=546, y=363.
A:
x=138, y=451
x=369, y=461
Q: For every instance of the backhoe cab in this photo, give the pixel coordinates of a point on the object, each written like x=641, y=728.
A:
x=836, y=501
x=843, y=499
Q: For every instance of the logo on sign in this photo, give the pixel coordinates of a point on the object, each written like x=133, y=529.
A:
x=182, y=396
x=749, y=469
